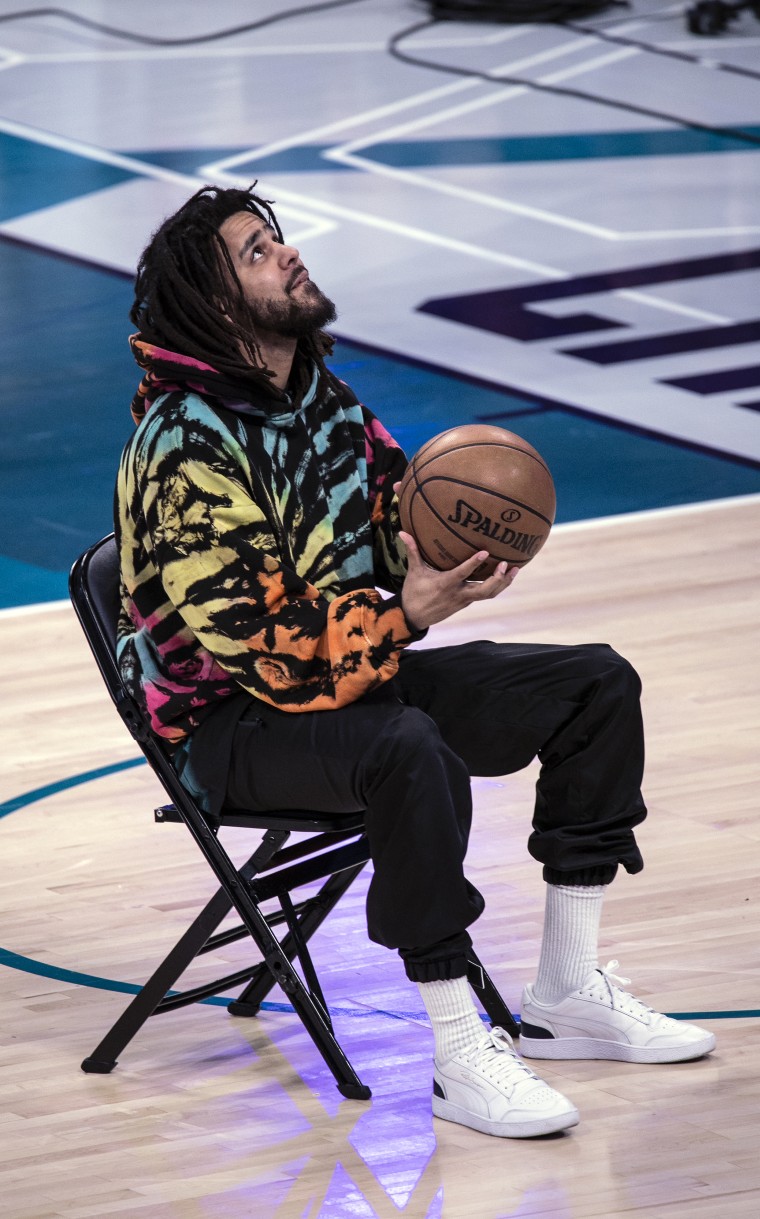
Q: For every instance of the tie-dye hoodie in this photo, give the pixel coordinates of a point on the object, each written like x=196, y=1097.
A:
x=253, y=535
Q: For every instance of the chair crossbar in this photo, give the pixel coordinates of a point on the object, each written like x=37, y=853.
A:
x=276, y=883
x=194, y=994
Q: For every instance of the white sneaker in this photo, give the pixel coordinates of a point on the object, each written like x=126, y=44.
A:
x=492, y=1090
x=602, y=1021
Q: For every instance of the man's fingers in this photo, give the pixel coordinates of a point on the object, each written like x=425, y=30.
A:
x=493, y=584
x=413, y=551
x=455, y=577
x=465, y=570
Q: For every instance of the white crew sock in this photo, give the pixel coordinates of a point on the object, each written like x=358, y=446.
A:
x=453, y=1015
x=569, y=948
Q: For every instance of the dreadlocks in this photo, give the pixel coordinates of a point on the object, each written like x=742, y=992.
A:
x=188, y=297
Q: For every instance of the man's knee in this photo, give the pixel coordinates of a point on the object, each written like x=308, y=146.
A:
x=602, y=662
x=411, y=757
x=411, y=735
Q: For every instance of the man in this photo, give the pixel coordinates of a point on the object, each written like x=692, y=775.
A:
x=257, y=519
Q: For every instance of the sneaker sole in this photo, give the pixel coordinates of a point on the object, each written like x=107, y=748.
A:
x=506, y=1130
x=589, y=1047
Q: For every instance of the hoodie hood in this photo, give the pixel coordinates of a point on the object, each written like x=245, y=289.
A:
x=170, y=372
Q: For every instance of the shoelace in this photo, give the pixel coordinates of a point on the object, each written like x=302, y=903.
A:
x=495, y=1052
x=622, y=1000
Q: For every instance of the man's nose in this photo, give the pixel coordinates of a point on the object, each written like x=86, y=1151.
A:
x=289, y=254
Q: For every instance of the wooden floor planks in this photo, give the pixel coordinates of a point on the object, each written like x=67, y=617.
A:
x=208, y=1116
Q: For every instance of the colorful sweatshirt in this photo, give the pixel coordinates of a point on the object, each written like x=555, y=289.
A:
x=253, y=537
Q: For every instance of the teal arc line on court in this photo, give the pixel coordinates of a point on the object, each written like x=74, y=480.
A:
x=14, y=960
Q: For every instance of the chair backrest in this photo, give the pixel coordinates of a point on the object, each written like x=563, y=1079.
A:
x=94, y=588
x=94, y=592
x=100, y=586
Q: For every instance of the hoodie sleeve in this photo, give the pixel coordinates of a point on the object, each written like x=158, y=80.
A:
x=386, y=464
x=211, y=546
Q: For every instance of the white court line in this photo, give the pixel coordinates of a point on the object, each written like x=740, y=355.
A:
x=327, y=129
x=346, y=155
x=366, y=116
x=218, y=52
x=295, y=204
x=10, y=59
x=368, y=220
x=291, y=206
x=317, y=225
x=295, y=209
x=687, y=311
x=467, y=194
x=493, y=98
x=417, y=99
x=600, y=522
x=131, y=54
x=92, y=153
x=709, y=505
x=39, y=607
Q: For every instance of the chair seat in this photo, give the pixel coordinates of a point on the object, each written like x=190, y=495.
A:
x=293, y=819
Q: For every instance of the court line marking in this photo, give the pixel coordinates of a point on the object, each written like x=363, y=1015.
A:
x=143, y=169
x=317, y=225
x=340, y=155
x=30, y=965
x=402, y=104
x=738, y=44
x=385, y=224
x=709, y=505
x=603, y=233
x=728, y=501
x=493, y=98
x=245, y=52
x=300, y=206
x=346, y=155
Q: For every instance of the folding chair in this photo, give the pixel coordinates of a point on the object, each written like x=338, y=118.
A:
x=334, y=852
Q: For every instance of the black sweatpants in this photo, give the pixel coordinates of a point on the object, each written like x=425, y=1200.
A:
x=406, y=753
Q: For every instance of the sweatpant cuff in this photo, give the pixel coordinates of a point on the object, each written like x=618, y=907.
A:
x=436, y=971
x=602, y=874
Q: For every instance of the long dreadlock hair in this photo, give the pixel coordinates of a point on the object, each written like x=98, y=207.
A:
x=188, y=297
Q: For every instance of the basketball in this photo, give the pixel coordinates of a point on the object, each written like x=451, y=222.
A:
x=477, y=487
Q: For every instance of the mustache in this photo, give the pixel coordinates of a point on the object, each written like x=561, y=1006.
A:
x=297, y=273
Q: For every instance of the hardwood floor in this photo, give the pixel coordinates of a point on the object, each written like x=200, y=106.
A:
x=210, y=1116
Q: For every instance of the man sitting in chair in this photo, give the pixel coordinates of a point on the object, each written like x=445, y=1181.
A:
x=256, y=519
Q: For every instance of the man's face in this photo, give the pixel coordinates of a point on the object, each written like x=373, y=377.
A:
x=280, y=296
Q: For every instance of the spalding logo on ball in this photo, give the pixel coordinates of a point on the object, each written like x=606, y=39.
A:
x=477, y=487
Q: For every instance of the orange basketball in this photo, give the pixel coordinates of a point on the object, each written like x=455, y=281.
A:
x=477, y=487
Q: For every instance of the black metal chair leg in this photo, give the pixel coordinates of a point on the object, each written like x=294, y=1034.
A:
x=103, y=1059
x=495, y=1007
x=307, y=1008
x=248, y=1002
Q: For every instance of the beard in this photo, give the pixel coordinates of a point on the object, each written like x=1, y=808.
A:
x=293, y=318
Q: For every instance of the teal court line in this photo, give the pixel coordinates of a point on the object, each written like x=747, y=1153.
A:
x=458, y=152
x=14, y=960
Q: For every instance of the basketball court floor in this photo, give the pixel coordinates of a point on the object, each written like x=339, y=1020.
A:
x=554, y=228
